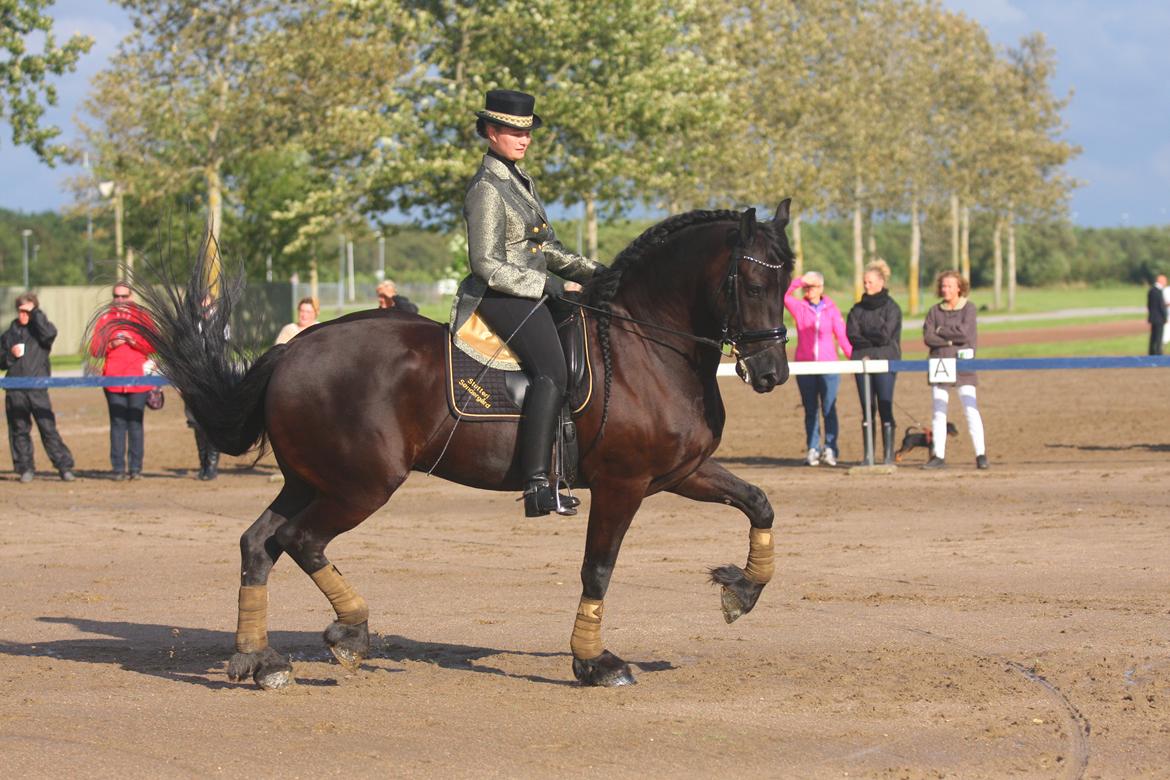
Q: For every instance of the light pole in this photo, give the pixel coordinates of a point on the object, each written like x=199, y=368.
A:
x=24, y=234
x=381, y=257
x=110, y=189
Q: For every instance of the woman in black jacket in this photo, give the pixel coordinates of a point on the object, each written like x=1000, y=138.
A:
x=875, y=331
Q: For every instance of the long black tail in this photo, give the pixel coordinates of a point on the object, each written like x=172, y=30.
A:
x=191, y=333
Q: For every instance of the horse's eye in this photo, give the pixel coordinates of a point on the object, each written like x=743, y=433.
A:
x=755, y=290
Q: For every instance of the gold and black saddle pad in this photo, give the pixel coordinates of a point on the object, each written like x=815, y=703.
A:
x=479, y=392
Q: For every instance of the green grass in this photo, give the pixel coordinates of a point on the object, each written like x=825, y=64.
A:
x=1029, y=300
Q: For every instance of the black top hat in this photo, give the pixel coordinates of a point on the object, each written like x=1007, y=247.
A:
x=511, y=109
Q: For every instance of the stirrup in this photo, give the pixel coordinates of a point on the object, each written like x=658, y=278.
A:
x=540, y=499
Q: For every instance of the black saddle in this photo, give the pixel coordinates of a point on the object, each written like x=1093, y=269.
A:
x=478, y=392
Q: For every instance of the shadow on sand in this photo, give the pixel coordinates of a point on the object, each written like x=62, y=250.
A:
x=198, y=656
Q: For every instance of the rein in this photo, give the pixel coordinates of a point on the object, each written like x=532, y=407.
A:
x=728, y=338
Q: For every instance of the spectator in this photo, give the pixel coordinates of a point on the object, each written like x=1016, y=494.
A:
x=874, y=329
x=818, y=322
x=1166, y=331
x=1156, y=305
x=24, y=351
x=307, y=310
x=208, y=454
x=119, y=340
x=388, y=298
x=950, y=331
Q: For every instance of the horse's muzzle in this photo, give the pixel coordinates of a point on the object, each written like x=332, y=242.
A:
x=765, y=369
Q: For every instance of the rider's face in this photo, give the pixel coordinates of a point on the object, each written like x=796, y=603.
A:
x=508, y=142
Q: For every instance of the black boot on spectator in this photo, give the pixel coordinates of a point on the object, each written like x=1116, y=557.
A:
x=888, y=443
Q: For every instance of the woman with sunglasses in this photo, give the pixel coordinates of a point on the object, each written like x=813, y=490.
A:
x=119, y=341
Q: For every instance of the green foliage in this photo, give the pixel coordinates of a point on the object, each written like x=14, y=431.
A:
x=25, y=88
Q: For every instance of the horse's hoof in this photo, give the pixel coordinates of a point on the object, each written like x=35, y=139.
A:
x=276, y=679
x=732, y=607
x=604, y=671
x=349, y=644
x=739, y=594
x=267, y=668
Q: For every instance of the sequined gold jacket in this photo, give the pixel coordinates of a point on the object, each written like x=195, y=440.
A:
x=510, y=244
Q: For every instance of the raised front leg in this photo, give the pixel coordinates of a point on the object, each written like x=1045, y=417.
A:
x=612, y=507
x=741, y=588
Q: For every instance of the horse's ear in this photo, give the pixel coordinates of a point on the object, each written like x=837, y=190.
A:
x=747, y=226
x=782, y=213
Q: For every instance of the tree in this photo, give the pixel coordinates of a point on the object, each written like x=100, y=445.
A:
x=614, y=79
x=25, y=88
x=207, y=93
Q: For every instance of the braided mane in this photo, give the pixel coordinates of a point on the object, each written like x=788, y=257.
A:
x=601, y=289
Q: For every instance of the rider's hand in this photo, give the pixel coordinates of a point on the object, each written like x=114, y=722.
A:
x=553, y=288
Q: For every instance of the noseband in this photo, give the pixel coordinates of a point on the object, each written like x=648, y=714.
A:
x=740, y=337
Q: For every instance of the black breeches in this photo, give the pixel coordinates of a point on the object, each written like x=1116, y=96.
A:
x=882, y=389
x=536, y=343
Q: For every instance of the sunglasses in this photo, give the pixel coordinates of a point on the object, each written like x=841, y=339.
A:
x=121, y=297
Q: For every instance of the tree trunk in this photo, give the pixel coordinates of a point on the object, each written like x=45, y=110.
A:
x=797, y=246
x=1011, y=261
x=915, y=255
x=955, y=232
x=591, y=225
x=870, y=239
x=997, y=249
x=858, y=252
x=965, y=242
x=214, y=223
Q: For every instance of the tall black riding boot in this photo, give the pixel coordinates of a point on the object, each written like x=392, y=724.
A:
x=212, y=469
x=888, y=443
x=537, y=429
x=202, y=446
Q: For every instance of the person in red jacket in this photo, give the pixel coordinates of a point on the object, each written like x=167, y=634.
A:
x=119, y=341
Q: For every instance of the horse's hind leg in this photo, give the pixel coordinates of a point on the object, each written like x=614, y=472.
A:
x=304, y=539
x=259, y=551
x=741, y=587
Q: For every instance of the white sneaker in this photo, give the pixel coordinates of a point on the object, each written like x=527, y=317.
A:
x=813, y=457
x=828, y=458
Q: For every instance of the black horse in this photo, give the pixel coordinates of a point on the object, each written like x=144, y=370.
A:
x=351, y=407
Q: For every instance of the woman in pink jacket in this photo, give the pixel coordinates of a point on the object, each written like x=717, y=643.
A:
x=818, y=323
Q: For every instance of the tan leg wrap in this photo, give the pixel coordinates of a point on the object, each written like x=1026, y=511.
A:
x=761, y=562
x=586, y=641
x=252, y=625
x=351, y=608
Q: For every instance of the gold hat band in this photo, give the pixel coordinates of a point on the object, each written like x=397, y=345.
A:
x=518, y=121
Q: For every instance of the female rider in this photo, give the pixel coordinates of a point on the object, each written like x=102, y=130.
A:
x=512, y=250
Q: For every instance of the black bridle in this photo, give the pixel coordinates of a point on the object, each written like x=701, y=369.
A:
x=736, y=338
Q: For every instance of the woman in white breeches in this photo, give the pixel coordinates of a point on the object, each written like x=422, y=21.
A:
x=950, y=332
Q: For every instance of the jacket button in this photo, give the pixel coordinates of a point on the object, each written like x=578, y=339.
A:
x=533, y=250
x=543, y=225
x=535, y=230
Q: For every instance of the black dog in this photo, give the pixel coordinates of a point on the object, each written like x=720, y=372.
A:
x=917, y=437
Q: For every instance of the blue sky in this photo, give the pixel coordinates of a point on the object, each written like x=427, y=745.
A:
x=1114, y=57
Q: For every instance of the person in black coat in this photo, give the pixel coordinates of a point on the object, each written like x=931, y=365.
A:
x=874, y=327
x=1156, y=305
x=24, y=352
x=388, y=298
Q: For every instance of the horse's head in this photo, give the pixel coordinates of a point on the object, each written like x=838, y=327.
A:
x=759, y=270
